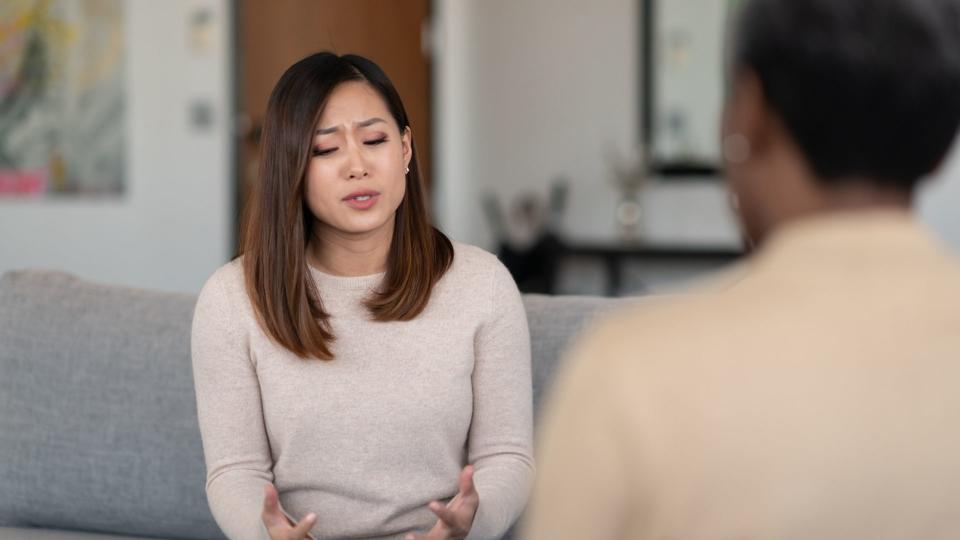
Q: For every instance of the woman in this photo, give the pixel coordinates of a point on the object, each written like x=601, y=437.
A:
x=357, y=374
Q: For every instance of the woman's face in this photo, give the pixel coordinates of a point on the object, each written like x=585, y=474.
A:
x=356, y=176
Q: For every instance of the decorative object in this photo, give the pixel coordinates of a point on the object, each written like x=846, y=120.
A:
x=528, y=236
x=682, y=53
x=630, y=175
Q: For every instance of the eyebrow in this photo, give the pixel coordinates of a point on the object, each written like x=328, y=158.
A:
x=363, y=124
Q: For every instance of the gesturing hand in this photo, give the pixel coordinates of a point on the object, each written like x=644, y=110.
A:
x=456, y=518
x=278, y=526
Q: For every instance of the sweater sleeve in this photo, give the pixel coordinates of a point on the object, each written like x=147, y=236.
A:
x=500, y=442
x=235, y=445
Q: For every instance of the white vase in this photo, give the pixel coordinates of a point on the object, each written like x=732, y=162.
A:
x=629, y=217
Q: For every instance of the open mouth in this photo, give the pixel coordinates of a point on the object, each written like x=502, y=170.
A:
x=361, y=195
x=362, y=200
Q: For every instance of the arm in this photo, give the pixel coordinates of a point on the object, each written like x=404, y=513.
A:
x=235, y=444
x=500, y=443
x=582, y=488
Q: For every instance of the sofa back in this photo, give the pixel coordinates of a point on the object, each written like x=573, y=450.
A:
x=98, y=423
x=99, y=426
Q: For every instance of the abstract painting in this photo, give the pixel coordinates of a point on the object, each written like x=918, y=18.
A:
x=62, y=106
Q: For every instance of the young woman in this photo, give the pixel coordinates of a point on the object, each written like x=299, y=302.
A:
x=357, y=374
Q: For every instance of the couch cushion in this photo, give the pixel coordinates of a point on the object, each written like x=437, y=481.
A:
x=7, y=533
x=98, y=425
x=554, y=322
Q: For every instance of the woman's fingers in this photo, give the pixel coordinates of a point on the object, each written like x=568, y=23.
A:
x=467, y=499
x=466, y=481
x=303, y=528
x=456, y=518
x=438, y=532
x=447, y=516
x=272, y=516
x=277, y=524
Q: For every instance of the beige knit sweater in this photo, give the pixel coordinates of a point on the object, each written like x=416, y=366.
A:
x=817, y=398
x=367, y=440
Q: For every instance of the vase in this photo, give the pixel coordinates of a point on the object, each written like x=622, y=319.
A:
x=629, y=217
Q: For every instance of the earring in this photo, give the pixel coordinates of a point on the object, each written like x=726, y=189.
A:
x=408, y=170
x=736, y=148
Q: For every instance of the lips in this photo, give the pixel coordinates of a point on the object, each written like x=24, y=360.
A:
x=362, y=200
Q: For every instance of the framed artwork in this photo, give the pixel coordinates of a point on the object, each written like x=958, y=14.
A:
x=62, y=112
x=683, y=54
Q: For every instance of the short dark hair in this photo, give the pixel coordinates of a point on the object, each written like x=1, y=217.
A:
x=867, y=88
x=277, y=223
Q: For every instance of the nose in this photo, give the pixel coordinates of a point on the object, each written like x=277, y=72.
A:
x=356, y=173
x=356, y=168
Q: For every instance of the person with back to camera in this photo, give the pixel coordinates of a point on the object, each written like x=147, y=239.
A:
x=819, y=395
x=358, y=375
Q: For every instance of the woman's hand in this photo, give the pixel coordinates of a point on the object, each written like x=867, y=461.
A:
x=279, y=527
x=456, y=518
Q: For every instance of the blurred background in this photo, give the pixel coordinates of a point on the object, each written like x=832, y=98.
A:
x=575, y=138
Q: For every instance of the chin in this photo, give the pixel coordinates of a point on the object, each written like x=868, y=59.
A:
x=363, y=227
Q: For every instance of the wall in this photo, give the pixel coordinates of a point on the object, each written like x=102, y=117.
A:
x=171, y=229
x=536, y=89
x=522, y=97
x=939, y=202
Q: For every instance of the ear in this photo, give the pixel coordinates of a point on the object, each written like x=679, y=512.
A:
x=746, y=112
x=745, y=115
x=406, y=141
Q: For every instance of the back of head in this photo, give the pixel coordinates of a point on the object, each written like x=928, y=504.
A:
x=868, y=89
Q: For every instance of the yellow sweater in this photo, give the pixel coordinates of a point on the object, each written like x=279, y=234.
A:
x=817, y=398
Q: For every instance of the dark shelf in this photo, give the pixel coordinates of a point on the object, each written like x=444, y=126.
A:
x=680, y=169
x=613, y=255
x=654, y=251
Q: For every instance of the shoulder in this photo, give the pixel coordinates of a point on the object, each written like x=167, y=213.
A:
x=471, y=256
x=473, y=266
x=225, y=288
x=657, y=336
x=226, y=278
x=476, y=282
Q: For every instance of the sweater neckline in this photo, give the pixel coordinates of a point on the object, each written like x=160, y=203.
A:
x=330, y=281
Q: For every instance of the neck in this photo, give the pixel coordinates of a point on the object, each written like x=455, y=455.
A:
x=348, y=254
x=849, y=195
x=864, y=196
x=798, y=193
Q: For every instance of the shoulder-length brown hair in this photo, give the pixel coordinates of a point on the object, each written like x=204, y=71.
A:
x=277, y=222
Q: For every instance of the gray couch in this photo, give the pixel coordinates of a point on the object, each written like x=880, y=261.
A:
x=98, y=425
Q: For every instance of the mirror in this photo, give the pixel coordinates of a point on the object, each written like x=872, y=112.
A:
x=683, y=49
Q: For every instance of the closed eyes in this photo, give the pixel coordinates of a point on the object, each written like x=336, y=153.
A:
x=317, y=151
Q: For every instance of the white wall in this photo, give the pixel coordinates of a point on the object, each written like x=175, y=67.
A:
x=454, y=198
x=530, y=90
x=939, y=202
x=171, y=228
